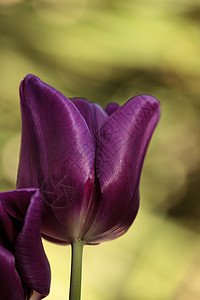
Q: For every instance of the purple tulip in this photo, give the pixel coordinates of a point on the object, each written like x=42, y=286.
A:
x=86, y=161
x=23, y=263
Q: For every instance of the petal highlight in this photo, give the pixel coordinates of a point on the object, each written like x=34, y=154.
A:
x=57, y=154
x=93, y=113
x=121, y=149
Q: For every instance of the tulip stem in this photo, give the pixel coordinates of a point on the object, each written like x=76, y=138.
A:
x=76, y=270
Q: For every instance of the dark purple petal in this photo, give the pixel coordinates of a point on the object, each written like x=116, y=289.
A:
x=93, y=113
x=62, y=229
x=53, y=134
x=24, y=212
x=16, y=202
x=13, y=207
x=120, y=153
x=112, y=229
x=111, y=108
x=31, y=259
x=10, y=286
x=57, y=154
x=7, y=235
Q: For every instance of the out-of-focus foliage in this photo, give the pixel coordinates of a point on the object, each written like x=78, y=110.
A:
x=111, y=51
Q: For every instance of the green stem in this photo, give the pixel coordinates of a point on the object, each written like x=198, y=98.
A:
x=76, y=270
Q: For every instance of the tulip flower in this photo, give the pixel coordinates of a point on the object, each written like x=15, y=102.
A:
x=23, y=263
x=85, y=160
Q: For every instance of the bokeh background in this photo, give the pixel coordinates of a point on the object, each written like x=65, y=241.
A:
x=111, y=50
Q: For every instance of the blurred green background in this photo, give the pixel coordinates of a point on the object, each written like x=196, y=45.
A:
x=111, y=50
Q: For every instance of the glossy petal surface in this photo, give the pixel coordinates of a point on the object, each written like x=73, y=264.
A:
x=93, y=114
x=86, y=161
x=57, y=155
x=121, y=149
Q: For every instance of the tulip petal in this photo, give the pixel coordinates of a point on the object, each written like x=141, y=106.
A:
x=25, y=206
x=30, y=255
x=93, y=113
x=111, y=108
x=121, y=149
x=11, y=286
x=16, y=202
x=7, y=235
x=53, y=134
x=57, y=154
